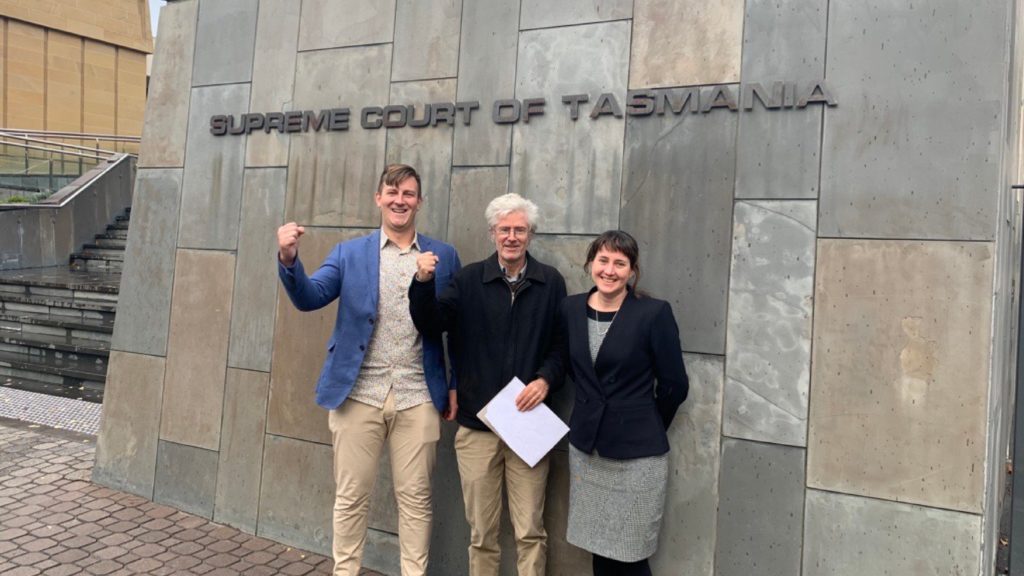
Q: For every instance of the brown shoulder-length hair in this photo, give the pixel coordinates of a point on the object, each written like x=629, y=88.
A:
x=621, y=242
x=395, y=174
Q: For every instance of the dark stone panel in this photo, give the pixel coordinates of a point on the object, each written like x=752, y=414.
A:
x=186, y=478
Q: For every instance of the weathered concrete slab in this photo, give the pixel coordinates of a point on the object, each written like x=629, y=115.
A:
x=144, y=301
x=254, y=303
x=563, y=558
x=186, y=478
x=332, y=177
x=429, y=150
x=568, y=254
x=708, y=36
x=225, y=35
x=540, y=14
x=487, y=72
x=382, y=552
x=571, y=169
x=297, y=494
x=163, y=134
x=211, y=191
x=334, y=23
x=241, y=449
x=449, y=537
x=896, y=163
x=472, y=190
x=383, y=514
x=900, y=370
x=768, y=341
x=300, y=346
x=678, y=185
x=761, y=509
x=130, y=426
x=688, y=530
x=426, y=40
x=197, y=349
x=273, y=77
x=852, y=536
x=778, y=151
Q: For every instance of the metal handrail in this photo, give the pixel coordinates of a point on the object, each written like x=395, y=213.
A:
x=94, y=151
x=75, y=135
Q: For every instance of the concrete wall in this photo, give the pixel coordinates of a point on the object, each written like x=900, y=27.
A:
x=832, y=268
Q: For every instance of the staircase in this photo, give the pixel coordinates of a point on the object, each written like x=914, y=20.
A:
x=56, y=323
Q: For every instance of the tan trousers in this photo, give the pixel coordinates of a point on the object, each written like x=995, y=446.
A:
x=358, y=432
x=485, y=464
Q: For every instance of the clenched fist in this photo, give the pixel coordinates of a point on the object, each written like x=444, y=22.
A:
x=288, y=242
x=425, y=265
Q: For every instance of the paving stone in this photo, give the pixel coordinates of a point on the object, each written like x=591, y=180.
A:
x=429, y=150
x=710, y=34
x=273, y=78
x=186, y=478
x=426, y=40
x=225, y=35
x=297, y=493
x=540, y=14
x=169, y=88
x=577, y=192
x=487, y=71
x=145, y=298
x=126, y=449
x=337, y=23
x=901, y=416
x=197, y=349
x=254, y=300
x=472, y=190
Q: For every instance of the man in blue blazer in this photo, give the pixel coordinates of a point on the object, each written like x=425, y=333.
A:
x=381, y=380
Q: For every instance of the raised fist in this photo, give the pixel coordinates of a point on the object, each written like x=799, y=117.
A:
x=288, y=242
x=425, y=265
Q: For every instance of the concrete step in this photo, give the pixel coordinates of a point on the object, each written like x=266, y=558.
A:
x=98, y=261
x=61, y=328
x=68, y=308
x=126, y=217
x=102, y=241
x=55, y=347
x=114, y=233
x=87, y=391
x=66, y=371
x=118, y=225
x=87, y=295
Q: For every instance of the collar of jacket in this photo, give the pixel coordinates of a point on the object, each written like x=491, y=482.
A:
x=492, y=270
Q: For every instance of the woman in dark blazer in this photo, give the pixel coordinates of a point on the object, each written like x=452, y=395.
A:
x=623, y=354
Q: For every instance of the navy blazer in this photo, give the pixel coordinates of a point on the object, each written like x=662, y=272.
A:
x=352, y=273
x=625, y=400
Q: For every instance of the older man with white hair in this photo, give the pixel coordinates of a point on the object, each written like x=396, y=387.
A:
x=499, y=314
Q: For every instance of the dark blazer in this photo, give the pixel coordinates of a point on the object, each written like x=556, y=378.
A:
x=351, y=273
x=625, y=400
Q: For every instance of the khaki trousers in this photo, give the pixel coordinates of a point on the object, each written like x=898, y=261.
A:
x=485, y=465
x=358, y=432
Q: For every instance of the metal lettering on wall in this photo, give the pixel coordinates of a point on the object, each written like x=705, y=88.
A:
x=740, y=97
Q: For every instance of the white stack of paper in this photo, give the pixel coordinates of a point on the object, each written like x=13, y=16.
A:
x=530, y=434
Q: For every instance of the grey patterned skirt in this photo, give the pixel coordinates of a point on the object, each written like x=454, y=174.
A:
x=615, y=506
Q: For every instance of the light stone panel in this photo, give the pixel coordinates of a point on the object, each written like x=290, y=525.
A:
x=225, y=36
x=197, y=349
x=761, y=509
x=332, y=177
x=900, y=367
x=472, y=190
x=688, y=529
x=130, y=425
x=778, y=151
x=910, y=152
x=567, y=254
x=144, y=302
x=426, y=40
x=852, y=536
x=487, y=72
x=563, y=558
x=300, y=346
x=768, y=341
x=241, y=449
x=273, y=77
x=297, y=494
x=211, y=192
x=571, y=169
x=339, y=23
x=450, y=534
x=540, y=14
x=165, y=127
x=429, y=150
x=677, y=201
x=186, y=478
x=686, y=43
x=252, y=314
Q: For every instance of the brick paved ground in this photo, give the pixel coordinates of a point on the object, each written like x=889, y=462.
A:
x=53, y=521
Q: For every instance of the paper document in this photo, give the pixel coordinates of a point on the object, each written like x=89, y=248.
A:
x=530, y=434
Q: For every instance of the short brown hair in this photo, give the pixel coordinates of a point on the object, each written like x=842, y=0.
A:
x=621, y=242
x=395, y=174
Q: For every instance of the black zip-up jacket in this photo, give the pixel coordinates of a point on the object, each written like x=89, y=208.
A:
x=493, y=336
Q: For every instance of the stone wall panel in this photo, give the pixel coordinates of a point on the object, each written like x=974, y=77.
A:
x=339, y=23
x=186, y=478
x=273, y=78
x=241, y=449
x=426, y=40
x=472, y=189
x=540, y=14
x=297, y=494
x=225, y=34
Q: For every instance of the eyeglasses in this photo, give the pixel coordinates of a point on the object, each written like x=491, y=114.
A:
x=506, y=231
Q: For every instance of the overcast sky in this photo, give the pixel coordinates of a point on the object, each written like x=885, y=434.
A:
x=154, y=11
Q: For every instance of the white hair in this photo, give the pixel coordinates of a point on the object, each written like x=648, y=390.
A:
x=506, y=204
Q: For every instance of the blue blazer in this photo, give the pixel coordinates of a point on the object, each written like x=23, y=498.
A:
x=352, y=273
